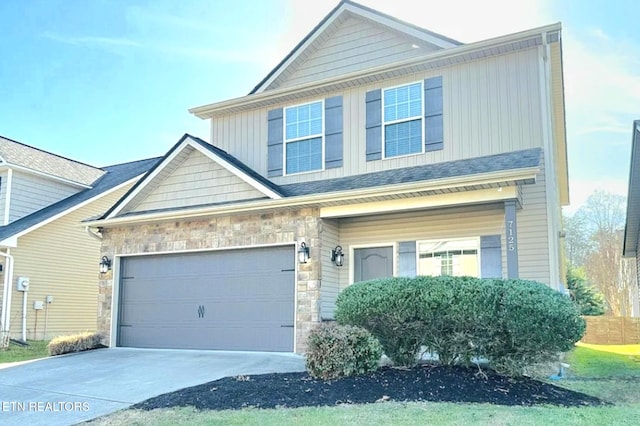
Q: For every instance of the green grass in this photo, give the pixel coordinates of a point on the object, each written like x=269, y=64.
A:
x=591, y=363
x=36, y=349
x=611, y=377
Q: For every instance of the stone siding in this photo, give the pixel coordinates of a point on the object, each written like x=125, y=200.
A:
x=291, y=226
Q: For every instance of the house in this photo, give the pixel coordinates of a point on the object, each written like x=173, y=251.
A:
x=375, y=148
x=631, y=238
x=43, y=199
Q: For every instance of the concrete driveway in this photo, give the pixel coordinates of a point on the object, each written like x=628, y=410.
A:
x=68, y=389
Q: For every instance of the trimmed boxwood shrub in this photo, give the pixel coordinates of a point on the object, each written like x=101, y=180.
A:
x=341, y=350
x=512, y=323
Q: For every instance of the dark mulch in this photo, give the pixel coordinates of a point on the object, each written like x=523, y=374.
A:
x=425, y=383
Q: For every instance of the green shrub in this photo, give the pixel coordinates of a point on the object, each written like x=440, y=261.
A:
x=74, y=343
x=341, y=350
x=512, y=323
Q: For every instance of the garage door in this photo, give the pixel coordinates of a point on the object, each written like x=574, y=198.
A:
x=226, y=300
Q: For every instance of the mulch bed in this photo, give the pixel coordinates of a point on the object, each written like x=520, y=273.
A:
x=425, y=383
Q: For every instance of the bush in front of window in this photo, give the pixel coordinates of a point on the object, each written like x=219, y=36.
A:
x=341, y=350
x=510, y=323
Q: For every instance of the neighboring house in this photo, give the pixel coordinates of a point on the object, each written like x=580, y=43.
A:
x=43, y=200
x=407, y=151
x=631, y=240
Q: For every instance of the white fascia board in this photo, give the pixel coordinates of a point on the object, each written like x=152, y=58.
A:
x=463, y=52
x=302, y=48
x=236, y=171
x=399, y=26
x=43, y=174
x=10, y=242
x=529, y=173
x=124, y=202
x=69, y=210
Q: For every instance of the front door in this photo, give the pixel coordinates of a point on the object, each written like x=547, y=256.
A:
x=372, y=262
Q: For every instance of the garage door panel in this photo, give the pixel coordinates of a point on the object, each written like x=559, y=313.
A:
x=235, y=300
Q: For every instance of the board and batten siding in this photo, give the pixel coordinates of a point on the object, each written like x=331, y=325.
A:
x=533, y=236
x=329, y=273
x=61, y=260
x=457, y=222
x=30, y=193
x=490, y=106
x=197, y=181
x=356, y=45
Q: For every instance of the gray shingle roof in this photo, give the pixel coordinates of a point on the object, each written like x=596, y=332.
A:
x=479, y=165
x=19, y=154
x=112, y=176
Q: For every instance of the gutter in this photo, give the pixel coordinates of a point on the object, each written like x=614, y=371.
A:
x=274, y=95
x=349, y=196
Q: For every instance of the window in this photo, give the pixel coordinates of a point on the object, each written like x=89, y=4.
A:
x=449, y=257
x=303, y=138
x=402, y=120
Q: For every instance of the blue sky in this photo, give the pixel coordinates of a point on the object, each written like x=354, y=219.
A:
x=108, y=81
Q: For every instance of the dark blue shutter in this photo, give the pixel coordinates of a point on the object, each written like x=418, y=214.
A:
x=490, y=257
x=433, y=126
x=373, y=125
x=274, y=142
x=333, y=132
x=407, y=259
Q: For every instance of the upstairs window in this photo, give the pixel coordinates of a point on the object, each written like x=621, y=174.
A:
x=402, y=111
x=303, y=138
x=449, y=257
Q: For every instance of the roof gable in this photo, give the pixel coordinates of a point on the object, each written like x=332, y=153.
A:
x=114, y=177
x=351, y=29
x=193, y=173
x=13, y=153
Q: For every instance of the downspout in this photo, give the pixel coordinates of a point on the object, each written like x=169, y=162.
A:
x=24, y=316
x=7, y=198
x=95, y=235
x=6, y=300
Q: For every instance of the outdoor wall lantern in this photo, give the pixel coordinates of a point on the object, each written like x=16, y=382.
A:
x=303, y=253
x=337, y=257
x=105, y=264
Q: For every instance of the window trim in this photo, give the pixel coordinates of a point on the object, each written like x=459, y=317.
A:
x=286, y=141
x=476, y=238
x=384, y=123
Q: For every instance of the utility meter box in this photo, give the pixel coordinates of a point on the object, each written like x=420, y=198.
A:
x=22, y=284
x=38, y=304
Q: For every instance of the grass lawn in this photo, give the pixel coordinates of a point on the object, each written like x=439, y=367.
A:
x=612, y=377
x=36, y=349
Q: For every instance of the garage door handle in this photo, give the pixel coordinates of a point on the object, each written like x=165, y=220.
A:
x=286, y=326
x=126, y=325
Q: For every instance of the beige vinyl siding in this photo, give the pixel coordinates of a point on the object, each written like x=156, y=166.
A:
x=197, y=181
x=533, y=240
x=330, y=273
x=459, y=222
x=30, y=193
x=61, y=260
x=356, y=45
x=491, y=106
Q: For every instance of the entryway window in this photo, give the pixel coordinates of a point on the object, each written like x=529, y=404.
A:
x=457, y=257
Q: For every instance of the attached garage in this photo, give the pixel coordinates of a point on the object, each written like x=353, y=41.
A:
x=226, y=300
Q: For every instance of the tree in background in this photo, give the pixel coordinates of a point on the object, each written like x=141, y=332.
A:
x=588, y=299
x=594, y=241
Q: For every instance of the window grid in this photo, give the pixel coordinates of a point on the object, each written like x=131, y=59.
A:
x=304, y=145
x=402, y=120
x=449, y=257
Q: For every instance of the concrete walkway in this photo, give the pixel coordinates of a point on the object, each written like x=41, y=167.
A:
x=73, y=388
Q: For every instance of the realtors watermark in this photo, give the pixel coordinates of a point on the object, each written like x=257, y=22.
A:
x=38, y=406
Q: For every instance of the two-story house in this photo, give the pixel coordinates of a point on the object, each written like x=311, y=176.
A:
x=375, y=148
x=43, y=199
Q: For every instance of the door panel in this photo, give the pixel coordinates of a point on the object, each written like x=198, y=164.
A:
x=372, y=262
